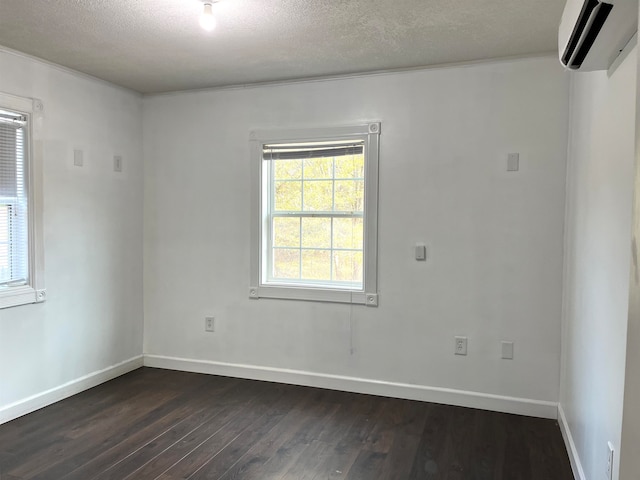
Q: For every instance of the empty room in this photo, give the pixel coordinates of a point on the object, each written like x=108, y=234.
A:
x=296, y=239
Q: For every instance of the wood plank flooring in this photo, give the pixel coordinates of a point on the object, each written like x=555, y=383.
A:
x=165, y=425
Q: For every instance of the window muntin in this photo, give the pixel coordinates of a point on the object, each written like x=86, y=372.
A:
x=314, y=216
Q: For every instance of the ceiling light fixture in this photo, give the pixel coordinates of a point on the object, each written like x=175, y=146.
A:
x=207, y=20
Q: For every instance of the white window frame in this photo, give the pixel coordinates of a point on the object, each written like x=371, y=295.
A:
x=34, y=291
x=259, y=288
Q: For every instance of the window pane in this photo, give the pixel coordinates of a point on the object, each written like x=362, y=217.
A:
x=286, y=232
x=318, y=168
x=287, y=169
x=316, y=264
x=348, y=233
x=350, y=166
x=286, y=263
x=288, y=196
x=347, y=266
x=349, y=195
x=318, y=196
x=316, y=232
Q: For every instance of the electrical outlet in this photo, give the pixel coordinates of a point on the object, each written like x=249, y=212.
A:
x=460, y=346
x=610, y=462
x=209, y=324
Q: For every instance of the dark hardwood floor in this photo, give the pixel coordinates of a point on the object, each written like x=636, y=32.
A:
x=165, y=425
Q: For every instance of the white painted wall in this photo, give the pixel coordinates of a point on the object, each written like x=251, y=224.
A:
x=494, y=238
x=598, y=231
x=92, y=318
x=630, y=451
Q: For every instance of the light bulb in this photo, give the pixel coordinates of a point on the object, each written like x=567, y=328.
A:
x=207, y=20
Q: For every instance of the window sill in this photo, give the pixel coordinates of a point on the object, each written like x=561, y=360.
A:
x=314, y=294
x=23, y=295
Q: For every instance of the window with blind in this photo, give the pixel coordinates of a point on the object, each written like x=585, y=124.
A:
x=316, y=214
x=14, y=203
x=21, y=263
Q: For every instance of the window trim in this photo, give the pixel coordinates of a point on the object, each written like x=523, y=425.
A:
x=34, y=291
x=370, y=133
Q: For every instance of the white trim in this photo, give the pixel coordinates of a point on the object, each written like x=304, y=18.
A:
x=448, y=396
x=347, y=76
x=314, y=294
x=283, y=135
x=574, y=458
x=22, y=295
x=261, y=287
x=15, y=102
x=40, y=400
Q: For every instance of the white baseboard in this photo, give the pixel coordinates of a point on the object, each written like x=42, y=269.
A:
x=483, y=401
x=35, y=402
x=574, y=458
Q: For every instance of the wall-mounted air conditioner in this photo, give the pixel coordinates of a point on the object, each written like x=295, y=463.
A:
x=593, y=32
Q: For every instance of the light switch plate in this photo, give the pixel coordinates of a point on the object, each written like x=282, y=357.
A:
x=421, y=252
x=507, y=350
x=78, y=157
x=513, y=162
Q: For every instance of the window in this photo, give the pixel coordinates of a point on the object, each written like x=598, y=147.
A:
x=314, y=222
x=20, y=240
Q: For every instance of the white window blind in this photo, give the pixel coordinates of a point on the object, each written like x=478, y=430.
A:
x=14, y=242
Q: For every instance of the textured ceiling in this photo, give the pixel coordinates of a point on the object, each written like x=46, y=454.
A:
x=158, y=45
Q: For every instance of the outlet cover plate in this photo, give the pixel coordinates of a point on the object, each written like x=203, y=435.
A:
x=460, y=347
x=209, y=324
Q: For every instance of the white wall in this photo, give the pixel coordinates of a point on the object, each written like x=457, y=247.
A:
x=598, y=231
x=92, y=318
x=494, y=238
x=630, y=451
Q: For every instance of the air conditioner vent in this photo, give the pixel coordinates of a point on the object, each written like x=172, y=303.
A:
x=593, y=32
